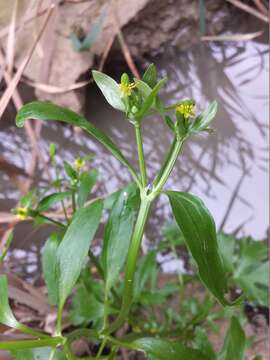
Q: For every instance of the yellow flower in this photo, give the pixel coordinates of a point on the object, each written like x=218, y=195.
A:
x=126, y=89
x=187, y=110
x=22, y=213
x=79, y=163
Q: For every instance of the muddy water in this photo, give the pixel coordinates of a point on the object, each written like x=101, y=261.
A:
x=228, y=170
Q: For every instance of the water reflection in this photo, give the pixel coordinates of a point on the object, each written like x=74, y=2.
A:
x=228, y=169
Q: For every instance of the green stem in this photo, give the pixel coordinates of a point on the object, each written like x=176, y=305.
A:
x=68, y=352
x=163, y=177
x=131, y=264
x=102, y=346
x=74, y=207
x=28, y=344
x=59, y=320
x=140, y=153
x=59, y=188
x=51, y=220
x=169, y=155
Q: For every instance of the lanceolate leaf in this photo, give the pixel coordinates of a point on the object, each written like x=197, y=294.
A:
x=205, y=118
x=118, y=232
x=234, y=344
x=158, y=349
x=44, y=110
x=72, y=251
x=198, y=228
x=6, y=316
x=49, y=267
x=150, y=98
x=150, y=76
x=110, y=89
x=87, y=181
x=50, y=200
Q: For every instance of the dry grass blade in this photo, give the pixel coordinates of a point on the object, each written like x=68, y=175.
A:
x=249, y=10
x=123, y=44
x=13, y=84
x=11, y=39
x=52, y=89
x=263, y=9
x=106, y=53
x=233, y=37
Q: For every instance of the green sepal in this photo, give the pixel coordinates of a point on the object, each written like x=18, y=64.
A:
x=150, y=76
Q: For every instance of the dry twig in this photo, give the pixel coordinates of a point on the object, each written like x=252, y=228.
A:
x=123, y=44
x=249, y=10
x=11, y=39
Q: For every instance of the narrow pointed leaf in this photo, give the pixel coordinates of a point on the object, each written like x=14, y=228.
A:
x=44, y=110
x=202, y=121
x=118, y=232
x=69, y=170
x=72, y=251
x=150, y=75
x=32, y=344
x=6, y=316
x=234, y=344
x=52, y=199
x=49, y=268
x=150, y=97
x=87, y=181
x=6, y=247
x=158, y=349
x=110, y=89
x=199, y=231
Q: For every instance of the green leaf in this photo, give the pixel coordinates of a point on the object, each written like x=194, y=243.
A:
x=170, y=123
x=202, y=121
x=158, y=349
x=226, y=246
x=43, y=110
x=72, y=251
x=85, y=308
x=201, y=339
x=110, y=89
x=255, y=283
x=26, y=200
x=50, y=200
x=117, y=236
x=52, y=151
x=49, y=269
x=87, y=181
x=6, y=248
x=251, y=254
x=6, y=316
x=198, y=228
x=71, y=173
x=252, y=269
x=150, y=76
x=234, y=343
x=150, y=97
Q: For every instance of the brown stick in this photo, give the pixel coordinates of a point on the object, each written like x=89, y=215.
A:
x=123, y=44
x=263, y=9
x=249, y=10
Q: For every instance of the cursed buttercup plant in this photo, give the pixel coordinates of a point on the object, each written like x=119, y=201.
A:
x=66, y=253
